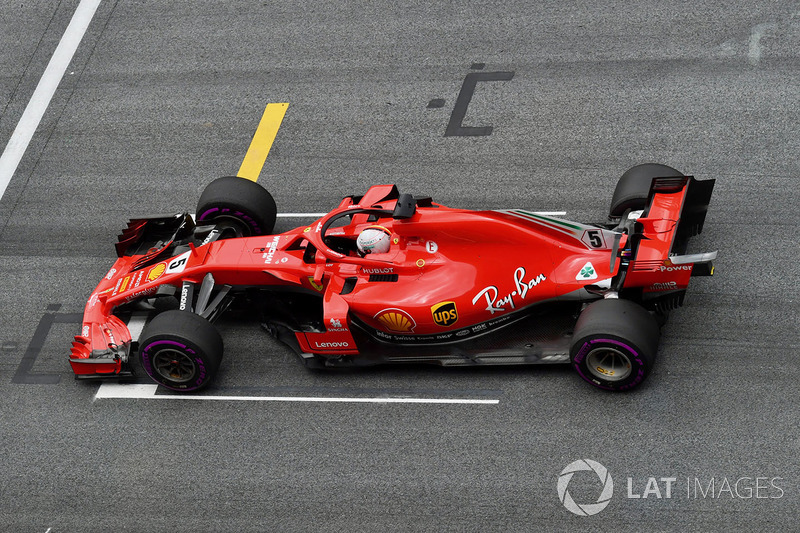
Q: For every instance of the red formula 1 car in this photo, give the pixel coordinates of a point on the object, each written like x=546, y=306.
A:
x=450, y=286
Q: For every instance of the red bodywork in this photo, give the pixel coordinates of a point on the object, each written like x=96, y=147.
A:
x=447, y=271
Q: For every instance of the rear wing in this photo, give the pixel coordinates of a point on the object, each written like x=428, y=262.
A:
x=695, y=206
x=675, y=212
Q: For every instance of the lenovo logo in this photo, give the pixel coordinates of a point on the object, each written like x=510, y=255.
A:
x=331, y=344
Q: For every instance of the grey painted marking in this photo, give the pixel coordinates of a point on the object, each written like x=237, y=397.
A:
x=754, y=49
x=454, y=127
x=23, y=374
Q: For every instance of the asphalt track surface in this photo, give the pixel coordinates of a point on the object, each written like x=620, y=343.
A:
x=162, y=97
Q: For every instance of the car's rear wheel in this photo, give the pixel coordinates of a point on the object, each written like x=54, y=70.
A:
x=614, y=345
x=239, y=207
x=180, y=350
x=634, y=186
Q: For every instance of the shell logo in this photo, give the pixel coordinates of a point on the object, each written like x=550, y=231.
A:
x=396, y=320
x=156, y=272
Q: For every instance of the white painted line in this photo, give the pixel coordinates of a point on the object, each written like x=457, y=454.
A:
x=148, y=392
x=289, y=215
x=136, y=325
x=47, y=86
x=319, y=215
x=118, y=390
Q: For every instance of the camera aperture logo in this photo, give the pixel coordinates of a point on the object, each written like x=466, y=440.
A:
x=585, y=509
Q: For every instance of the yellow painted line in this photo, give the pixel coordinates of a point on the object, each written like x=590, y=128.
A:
x=262, y=141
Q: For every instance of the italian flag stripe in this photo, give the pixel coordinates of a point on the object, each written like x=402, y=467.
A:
x=547, y=219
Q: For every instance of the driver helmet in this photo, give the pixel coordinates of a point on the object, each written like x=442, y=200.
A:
x=374, y=240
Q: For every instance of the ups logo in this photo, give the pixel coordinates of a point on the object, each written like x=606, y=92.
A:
x=445, y=313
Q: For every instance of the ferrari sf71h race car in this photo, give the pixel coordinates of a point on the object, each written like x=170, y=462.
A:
x=450, y=286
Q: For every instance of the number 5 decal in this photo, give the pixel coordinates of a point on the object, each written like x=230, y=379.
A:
x=593, y=238
x=179, y=263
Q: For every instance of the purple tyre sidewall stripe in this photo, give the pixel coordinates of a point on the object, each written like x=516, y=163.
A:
x=206, y=213
x=244, y=216
x=165, y=341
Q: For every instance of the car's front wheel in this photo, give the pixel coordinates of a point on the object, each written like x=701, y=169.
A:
x=239, y=207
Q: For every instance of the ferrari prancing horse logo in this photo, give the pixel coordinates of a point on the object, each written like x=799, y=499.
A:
x=445, y=313
x=317, y=286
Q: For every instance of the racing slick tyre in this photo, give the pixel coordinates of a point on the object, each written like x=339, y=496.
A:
x=180, y=350
x=634, y=186
x=614, y=345
x=237, y=205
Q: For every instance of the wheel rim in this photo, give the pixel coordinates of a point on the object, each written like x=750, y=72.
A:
x=609, y=364
x=174, y=365
x=231, y=225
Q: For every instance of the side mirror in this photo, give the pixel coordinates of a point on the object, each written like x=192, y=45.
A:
x=405, y=207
